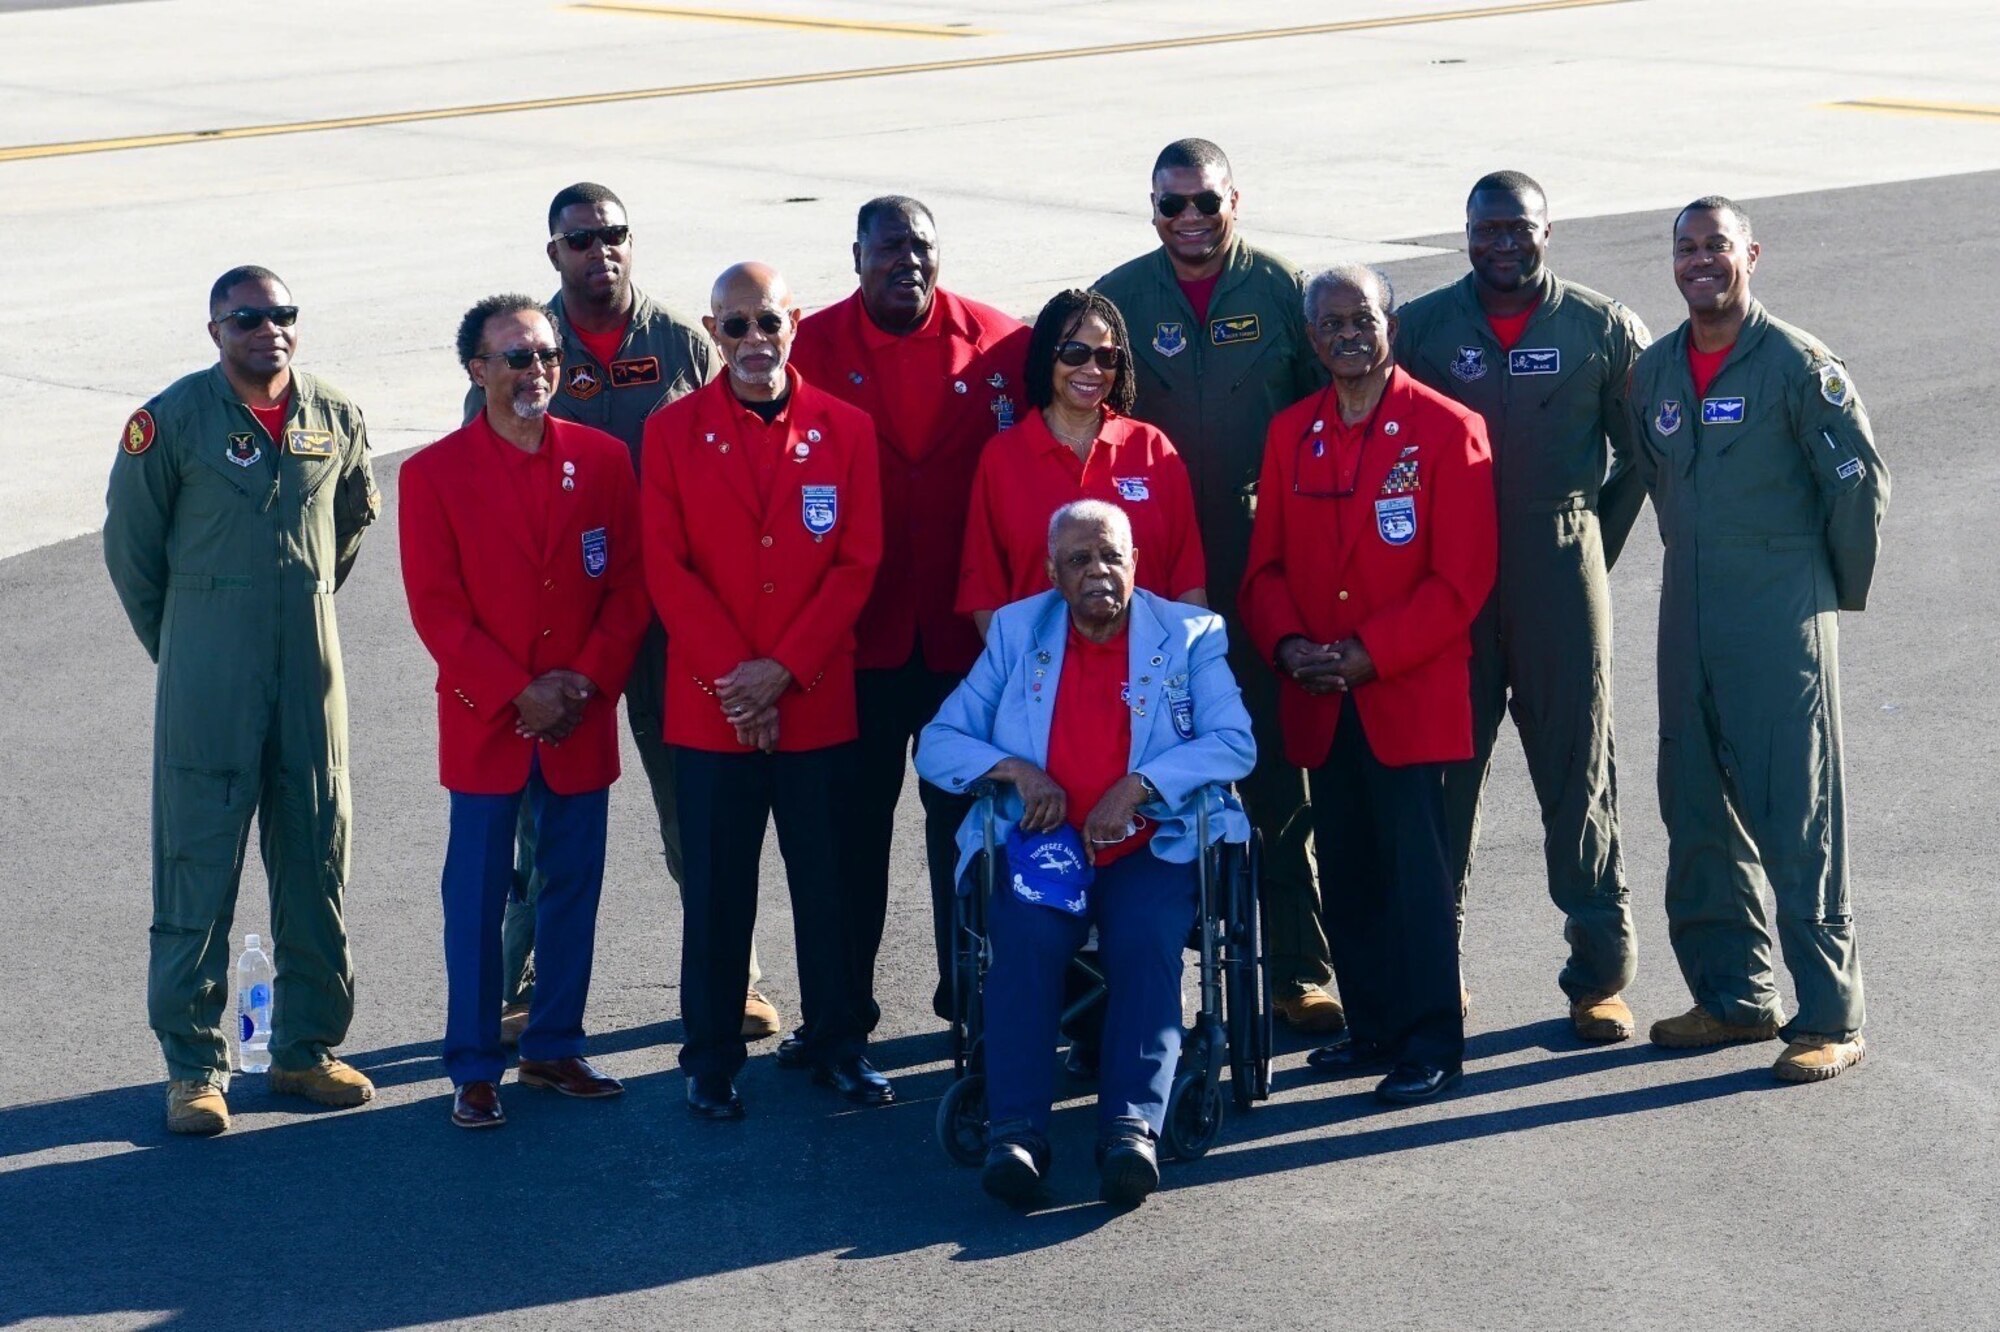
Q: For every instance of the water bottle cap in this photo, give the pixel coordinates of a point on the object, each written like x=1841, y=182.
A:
x=252, y=941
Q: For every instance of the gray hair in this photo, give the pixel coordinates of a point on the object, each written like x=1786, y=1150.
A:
x=1090, y=511
x=1358, y=276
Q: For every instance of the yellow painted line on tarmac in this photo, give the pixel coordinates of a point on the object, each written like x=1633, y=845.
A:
x=1903, y=107
x=796, y=21
x=79, y=147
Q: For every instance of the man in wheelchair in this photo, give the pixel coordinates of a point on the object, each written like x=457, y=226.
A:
x=1102, y=717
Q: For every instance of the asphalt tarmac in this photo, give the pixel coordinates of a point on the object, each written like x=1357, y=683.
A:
x=1564, y=1185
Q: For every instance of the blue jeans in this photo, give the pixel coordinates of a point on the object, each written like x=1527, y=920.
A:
x=478, y=876
x=1143, y=908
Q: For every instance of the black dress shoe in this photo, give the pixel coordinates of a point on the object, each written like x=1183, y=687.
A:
x=1349, y=1054
x=713, y=1097
x=856, y=1080
x=1128, y=1169
x=792, y=1053
x=1409, y=1084
x=1015, y=1170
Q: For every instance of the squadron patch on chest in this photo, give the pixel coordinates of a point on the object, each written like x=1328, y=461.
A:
x=1469, y=364
x=635, y=372
x=581, y=382
x=243, y=448
x=1668, y=419
x=1169, y=339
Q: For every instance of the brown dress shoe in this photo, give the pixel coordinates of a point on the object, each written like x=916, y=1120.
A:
x=476, y=1105
x=1601, y=1017
x=572, y=1076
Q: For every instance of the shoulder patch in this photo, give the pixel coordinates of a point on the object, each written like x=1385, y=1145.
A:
x=1834, y=385
x=139, y=433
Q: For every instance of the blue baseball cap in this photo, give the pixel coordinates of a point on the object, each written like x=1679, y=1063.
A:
x=1049, y=869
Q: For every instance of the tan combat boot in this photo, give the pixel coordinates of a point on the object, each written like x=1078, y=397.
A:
x=329, y=1083
x=760, y=1017
x=1601, y=1017
x=1312, y=1010
x=513, y=1021
x=1698, y=1027
x=197, y=1108
x=1817, y=1058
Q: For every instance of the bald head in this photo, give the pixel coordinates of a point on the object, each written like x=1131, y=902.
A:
x=753, y=321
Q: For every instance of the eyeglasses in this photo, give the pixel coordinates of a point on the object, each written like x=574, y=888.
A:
x=1208, y=203
x=1075, y=353
x=580, y=240
x=249, y=318
x=769, y=323
x=520, y=358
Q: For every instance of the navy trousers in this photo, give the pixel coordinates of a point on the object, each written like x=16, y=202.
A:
x=1388, y=898
x=1143, y=908
x=478, y=877
x=726, y=801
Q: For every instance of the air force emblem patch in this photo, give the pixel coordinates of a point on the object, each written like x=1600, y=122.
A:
x=1469, y=364
x=1721, y=411
x=244, y=450
x=1534, y=361
x=1669, y=418
x=581, y=382
x=819, y=507
x=1396, y=520
x=1169, y=339
x=596, y=551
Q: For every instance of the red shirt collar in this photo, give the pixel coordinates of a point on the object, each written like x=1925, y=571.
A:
x=876, y=338
x=513, y=453
x=747, y=417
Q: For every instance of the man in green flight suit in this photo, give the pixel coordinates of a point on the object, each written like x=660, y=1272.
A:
x=1763, y=469
x=236, y=507
x=1545, y=362
x=1218, y=331
x=624, y=357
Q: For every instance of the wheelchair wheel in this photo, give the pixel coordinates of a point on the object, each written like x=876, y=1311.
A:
x=1246, y=980
x=1194, y=1116
x=961, y=1120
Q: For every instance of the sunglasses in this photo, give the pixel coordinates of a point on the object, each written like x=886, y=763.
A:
x=249, y=318
x=1208, y=203
x=580, y=240
x=520, y=358
x=1075, y=353
x=769, y=324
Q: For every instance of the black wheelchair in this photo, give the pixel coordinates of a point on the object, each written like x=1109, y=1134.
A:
x=1232, y=1028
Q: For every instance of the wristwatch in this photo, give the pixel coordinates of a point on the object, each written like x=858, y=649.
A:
x=1146, y=785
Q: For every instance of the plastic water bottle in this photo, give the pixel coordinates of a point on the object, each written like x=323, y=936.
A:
x=253, y=1007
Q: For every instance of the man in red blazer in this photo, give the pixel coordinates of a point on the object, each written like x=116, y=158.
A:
x=1375, y=545
x=520, y=537
x=763, y=519
x=939, y=375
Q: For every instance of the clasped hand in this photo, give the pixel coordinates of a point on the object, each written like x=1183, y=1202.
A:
x=748, y=696
x=1044, y=805
x=550, y=707
x=1326, y=668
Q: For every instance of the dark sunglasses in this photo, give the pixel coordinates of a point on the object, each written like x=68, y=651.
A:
x=249, y=318
x=522, y=357
x=580, y=240
x=1075, y=353
x=1208, y=203
x=769, y=323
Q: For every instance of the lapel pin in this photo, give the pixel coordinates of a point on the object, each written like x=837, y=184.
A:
x=1391, y=428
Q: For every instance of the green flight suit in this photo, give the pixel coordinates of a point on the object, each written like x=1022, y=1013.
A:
x=1555, y=413
x=1770, y=496
x=226, y=549
x=1213, y=386
x=663, y=356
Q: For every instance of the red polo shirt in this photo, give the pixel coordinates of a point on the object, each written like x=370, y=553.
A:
x=1026, y=474
x=1090, y=735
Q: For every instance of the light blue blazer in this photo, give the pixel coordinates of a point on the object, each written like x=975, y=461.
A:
x=1190, y=732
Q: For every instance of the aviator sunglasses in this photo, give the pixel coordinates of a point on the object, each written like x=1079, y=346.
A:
x=249, y=318
x=580, y=239
x=1208, y=203
x=1075, y=353
x=520, y=358
x=768, y=323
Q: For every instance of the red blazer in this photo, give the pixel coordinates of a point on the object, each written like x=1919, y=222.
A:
x=496, y=613
x=738, y=571
x=1403, y=562
x=926, y=482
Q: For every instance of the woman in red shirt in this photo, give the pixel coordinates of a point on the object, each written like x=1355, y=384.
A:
x=1076, y=445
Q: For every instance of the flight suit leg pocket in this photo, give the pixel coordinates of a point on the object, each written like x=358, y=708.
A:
x=203, y=813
